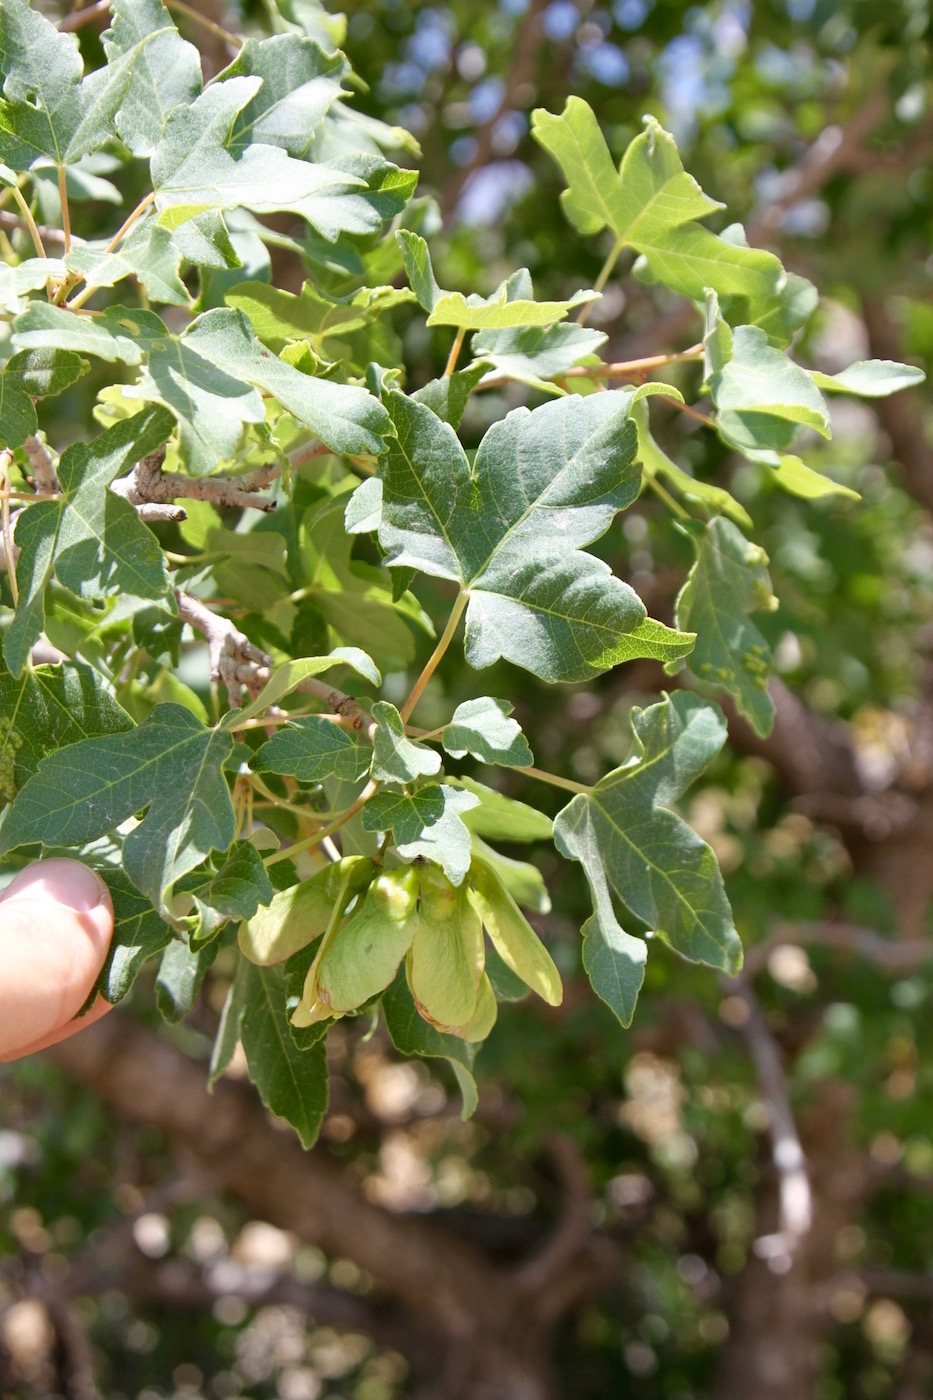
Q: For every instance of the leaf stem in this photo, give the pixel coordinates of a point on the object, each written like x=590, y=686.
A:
x=130, y=220
x=6, y=459
x=434, y=659
x=66, y=212
x=454, y=355
x=318, y=836
x=555, y=781
x=690, y=411
x=605, y=273
x=29, y=221
x=666, y=496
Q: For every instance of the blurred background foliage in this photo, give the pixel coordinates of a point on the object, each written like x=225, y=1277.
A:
x=127, y=1270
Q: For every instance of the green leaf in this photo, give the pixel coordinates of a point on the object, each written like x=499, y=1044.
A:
x=497, y=312
x=228, y=1032
x=418, y=268
x=523, y=880
x=483, y=728
x=312, y=749
x=871, y=379
x=300, y=83
x=628, y=840
x=48, y=108
x=512, y=936
x=503, y=818
x=763, y=399
x=119, y=333
x=656, y=462
x=27, y=276
x=728, y=581
x=795, y=476
x=235, y=891
x=90, y=539
x=449, y=395
x=396, y=758
x=140, y=933
x=779, y=313
x=314, y=317
x=44, y=373
x=18, y=419
x=164, y=72
x=535, y=354
x=193, y=170
x=353, y=597
x=427, y=823
x=650, y=194
x=288, y=677
x=171, y=765
x=148, y=253
x=292, y=1083
x=45, y=709
x=296, y=916
x=510, y=530
x=181, y=972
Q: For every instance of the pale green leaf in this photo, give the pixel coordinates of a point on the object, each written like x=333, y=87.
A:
x=503, y=818
x=655, y=462
x=148, y=253
x=498, y=312
x=364, y=954
x=535, y=354
x=417, y=260
x=412, y=1035
x=296, y=916
x=44, y=373
x=793, y=475
x=763, y=400
x=300, y=83
x=523, y=880
x=31, y=275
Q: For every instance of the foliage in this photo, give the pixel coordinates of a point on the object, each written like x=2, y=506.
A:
x=223, y=810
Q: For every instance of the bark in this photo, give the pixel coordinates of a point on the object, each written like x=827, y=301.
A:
x=490, y=1326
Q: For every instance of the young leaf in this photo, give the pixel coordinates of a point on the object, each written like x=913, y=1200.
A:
x=292, y=1083
x=795, y=476
x=91, y=540
x=499, y=312
x=626, y=837
x=312, y=749
x=148, y=253
x=427, y=823
x=510, y=531
x=396, y=758
x=418, y=267
x=483, y=728
x=172, y=765
x=449, y=395
x=728, y=581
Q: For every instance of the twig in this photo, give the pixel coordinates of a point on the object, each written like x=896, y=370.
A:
x=433, y=661
x=620, y=369
x=46, y=233
x=6, y=533
x=234, y=659
x=795, y=1195
x=66, y=212
x=153, y=514
x=218, y=32
x=148, y=484
x=43, y=468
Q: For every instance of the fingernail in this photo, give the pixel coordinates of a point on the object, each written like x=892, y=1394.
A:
x=61, y=881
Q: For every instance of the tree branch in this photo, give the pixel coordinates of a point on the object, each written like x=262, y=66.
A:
x=890, y=954
x=43, y=468
x=147, y=484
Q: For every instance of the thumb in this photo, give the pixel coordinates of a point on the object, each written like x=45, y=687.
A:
x=56, y=923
